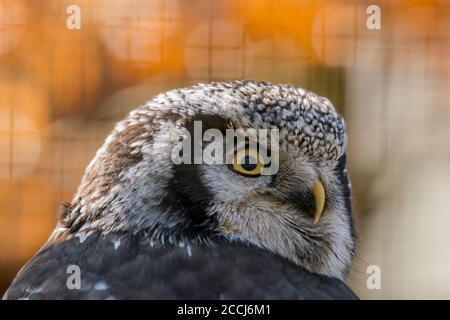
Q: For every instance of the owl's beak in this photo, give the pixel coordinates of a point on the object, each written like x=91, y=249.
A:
x=319, y=197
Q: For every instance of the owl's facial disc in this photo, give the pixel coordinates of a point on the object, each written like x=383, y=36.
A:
x=300, y=212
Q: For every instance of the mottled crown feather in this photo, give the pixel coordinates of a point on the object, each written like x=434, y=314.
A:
x=307, y=122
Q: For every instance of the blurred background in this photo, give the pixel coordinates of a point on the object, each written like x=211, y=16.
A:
x=62, y=89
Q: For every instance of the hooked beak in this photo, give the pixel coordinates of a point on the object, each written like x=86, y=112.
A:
x=319, y=197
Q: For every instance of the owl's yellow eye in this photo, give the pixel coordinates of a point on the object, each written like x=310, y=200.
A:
x=248, y=162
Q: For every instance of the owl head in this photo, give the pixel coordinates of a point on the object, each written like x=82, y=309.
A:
x=287, y=192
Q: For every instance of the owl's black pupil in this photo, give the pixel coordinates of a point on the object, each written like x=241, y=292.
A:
x=249, y=163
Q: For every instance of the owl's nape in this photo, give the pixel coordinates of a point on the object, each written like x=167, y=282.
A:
x=155, y=218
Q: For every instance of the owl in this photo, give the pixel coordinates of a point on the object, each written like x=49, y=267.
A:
x=144, y=225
